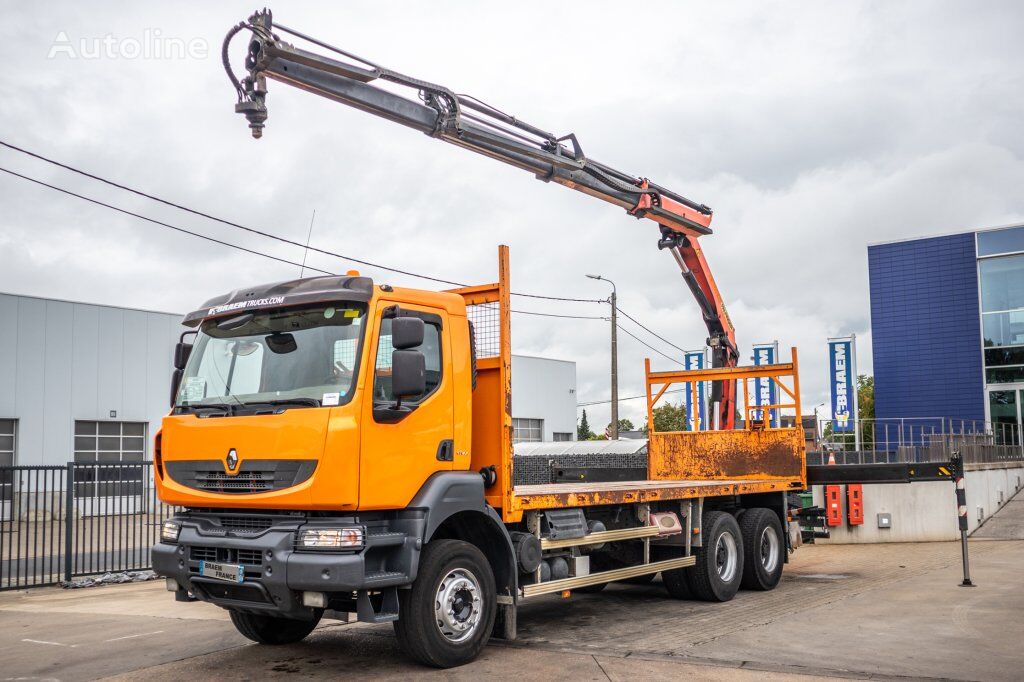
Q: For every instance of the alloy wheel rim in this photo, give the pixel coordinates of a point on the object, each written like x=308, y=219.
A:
x=726, y=557
x=458, y=605
x=769, y=549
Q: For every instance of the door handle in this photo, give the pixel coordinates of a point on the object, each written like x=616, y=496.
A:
x=446, y=451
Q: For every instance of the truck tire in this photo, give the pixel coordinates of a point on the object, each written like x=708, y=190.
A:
x=719, y=569
x=272, y=629
x=446, y=618
x=764, y=549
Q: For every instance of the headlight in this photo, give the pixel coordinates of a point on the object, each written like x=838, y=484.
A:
x=169, y=531
x=330, y=538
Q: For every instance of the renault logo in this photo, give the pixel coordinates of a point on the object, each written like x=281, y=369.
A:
x=232, y=459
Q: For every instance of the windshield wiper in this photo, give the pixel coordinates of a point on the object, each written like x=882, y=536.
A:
x=287, y=402
x=219, y=408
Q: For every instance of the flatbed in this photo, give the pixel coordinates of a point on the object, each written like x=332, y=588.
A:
x=556, y=495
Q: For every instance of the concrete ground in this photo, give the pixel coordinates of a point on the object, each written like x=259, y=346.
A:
x=857, y=611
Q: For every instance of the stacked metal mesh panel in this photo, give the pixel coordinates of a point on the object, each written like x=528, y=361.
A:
x=534, y=462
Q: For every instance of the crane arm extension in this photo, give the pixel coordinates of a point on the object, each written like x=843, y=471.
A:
x=469, y=123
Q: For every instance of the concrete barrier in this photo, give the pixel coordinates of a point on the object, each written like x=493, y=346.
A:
x=926, y=511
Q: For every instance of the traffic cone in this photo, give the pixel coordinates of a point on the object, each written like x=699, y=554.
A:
x=831, y=457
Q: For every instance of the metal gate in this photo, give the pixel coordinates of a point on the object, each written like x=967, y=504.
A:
x=60, y=522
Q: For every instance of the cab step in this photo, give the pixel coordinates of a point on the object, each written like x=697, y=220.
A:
x=388, y=607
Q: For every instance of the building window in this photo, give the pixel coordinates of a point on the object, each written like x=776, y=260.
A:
x=993, y=242
x=8, y=447
x=527, y=430
x=561, y=437
x=8, y=440
x=1002, y=317
x=109, y=442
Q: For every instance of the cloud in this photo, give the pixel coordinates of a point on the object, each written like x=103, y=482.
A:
x=812, y=133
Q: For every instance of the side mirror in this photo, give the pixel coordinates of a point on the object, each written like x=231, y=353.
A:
x=176, y=384
x=408, y=372
x=406, y=333
x=182, y=351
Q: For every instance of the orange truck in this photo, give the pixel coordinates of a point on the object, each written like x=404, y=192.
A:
x=342, y=448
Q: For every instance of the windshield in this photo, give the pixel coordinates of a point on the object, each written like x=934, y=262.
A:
x=301, y=355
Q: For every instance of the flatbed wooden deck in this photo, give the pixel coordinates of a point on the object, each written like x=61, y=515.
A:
x=556, y=495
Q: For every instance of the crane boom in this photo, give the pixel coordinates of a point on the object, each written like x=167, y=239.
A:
x=469, y=123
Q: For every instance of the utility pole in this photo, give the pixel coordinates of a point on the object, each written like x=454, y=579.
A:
x=615, y=356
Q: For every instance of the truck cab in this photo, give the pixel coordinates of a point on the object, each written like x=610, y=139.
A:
x=319, y=436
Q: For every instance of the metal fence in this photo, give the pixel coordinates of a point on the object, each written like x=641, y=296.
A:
x=61, y=522
x=918, y=439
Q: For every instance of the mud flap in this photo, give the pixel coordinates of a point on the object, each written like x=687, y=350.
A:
x=505, y=622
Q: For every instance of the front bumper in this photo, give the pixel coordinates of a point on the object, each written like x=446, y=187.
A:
x=276, y=574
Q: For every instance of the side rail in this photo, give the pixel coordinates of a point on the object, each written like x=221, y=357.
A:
x=763, y=449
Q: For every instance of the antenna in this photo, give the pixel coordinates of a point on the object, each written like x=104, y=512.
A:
x=302, y=269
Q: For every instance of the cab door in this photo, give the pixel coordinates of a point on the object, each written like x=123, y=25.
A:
x=397, y=458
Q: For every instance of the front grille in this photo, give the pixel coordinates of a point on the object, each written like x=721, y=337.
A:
x=204, y=554
x=253, y=475
x=253, y=523
x=242, y=482
x=226, y=555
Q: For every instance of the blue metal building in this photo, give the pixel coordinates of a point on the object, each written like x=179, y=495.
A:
x=947, y=324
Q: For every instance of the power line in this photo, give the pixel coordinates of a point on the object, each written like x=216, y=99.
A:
x=569, y=317
x=235, y=246
x=162, y=224
x=641, y=341
x=640, y=324
x=305, y=247
x=632, y=397
x=268, y=235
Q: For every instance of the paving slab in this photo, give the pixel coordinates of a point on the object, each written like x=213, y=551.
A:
x=1006, y=524
x=856, y=611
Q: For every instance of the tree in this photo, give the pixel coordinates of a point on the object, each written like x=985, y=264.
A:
x=583, y=431
x=624, y=425
x=865, y=413
x=669, y=417
x=866, y=407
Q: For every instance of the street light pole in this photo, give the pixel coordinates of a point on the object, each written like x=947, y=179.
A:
x=615, y=356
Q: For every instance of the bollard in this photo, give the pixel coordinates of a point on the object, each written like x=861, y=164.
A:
x=956, y=466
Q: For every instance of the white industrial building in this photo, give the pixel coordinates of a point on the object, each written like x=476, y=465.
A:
x=90, y=383
x=543, y=399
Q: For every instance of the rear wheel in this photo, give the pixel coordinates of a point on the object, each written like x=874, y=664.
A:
x=446, y=618
x=763, y=549
x=719, y=569
x=272, y=629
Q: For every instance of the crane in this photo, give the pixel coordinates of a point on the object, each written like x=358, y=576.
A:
x=469, y=123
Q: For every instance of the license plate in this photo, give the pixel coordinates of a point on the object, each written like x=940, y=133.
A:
x=232, y=573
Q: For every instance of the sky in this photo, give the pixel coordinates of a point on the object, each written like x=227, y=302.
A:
x=812, y=129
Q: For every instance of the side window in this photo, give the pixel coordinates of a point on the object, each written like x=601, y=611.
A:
x=431, y=349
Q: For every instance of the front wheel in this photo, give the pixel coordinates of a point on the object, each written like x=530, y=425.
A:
x=446, y=618
x=272, y=629
x=716, y=575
